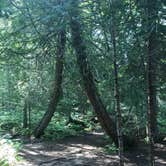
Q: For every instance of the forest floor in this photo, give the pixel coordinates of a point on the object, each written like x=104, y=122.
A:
x=85, y=150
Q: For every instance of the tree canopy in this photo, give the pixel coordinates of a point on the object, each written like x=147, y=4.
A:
x=62, y=59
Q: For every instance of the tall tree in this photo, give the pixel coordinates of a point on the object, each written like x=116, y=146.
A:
x=57, y=91
x=151, y=75
x=116, y=84
x=82, y=59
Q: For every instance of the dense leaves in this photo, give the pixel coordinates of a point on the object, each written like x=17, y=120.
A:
x=28, y=46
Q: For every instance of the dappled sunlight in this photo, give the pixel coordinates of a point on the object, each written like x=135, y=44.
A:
x=82, y=146
x=8, y=153
x=161, y=161
x=82, y=83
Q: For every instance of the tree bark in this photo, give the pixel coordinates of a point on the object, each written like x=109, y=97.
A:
x=151, y=78
x=55, y=97
x=81, y=54
x=25, y=114
x=29, y=114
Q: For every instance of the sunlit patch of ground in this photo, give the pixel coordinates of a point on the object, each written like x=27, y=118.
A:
x=85, y=150
x=8, y=153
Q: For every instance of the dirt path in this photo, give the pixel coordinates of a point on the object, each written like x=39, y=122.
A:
x=83, y=151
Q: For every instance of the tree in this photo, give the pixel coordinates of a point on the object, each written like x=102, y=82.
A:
x=116, y=47
x=116, y=84
x=87, y=76
x=57, y=91
x=25, y=114
x=151, y=76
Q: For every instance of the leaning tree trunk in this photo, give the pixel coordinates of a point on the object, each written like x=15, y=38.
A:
x=117, y=95
x=55, y=97
x=151, y=77
x=81, y=53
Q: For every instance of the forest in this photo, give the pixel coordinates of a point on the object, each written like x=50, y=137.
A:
x=82, y=83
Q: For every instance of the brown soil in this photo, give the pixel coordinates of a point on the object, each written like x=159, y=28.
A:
x=84, y=150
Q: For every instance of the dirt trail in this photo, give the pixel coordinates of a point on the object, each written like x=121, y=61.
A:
x=83, y=150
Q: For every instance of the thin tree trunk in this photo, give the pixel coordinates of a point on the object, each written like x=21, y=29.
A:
x=8, y=106
x=29, y=114
x=151, y=78
x=81, y=53
x=117, y=97
x=57, y=92
x=25, y=115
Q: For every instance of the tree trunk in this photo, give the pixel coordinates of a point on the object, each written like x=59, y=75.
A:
x=151, y=78
x=29, y=114
x=57, y=86
x=25, y=115
x=117, y=96
x=81, y=53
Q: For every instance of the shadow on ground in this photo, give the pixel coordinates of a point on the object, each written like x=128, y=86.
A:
x=84, y=150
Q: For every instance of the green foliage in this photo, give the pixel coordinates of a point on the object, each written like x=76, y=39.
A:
x=110, y=148
x=59, y=129
x=28, y=42
x=4, y=162
x=10, y=122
